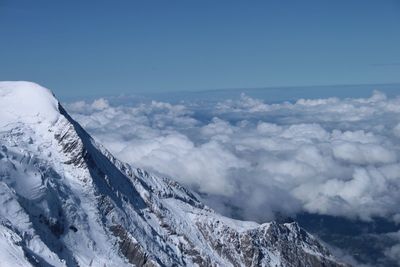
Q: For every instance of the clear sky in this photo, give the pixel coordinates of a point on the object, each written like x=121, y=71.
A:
x=110, y=47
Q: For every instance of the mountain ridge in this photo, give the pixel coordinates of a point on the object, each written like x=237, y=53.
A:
x=69, y=202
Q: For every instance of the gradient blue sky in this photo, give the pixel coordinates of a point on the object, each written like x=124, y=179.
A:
x=110, y=47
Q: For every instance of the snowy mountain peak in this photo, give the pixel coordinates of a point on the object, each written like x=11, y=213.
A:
x=26, y=102
x=66, y=201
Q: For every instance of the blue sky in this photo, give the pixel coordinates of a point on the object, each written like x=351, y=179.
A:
x=82, y=48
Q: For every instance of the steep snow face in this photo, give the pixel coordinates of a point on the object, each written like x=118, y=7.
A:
x=66, y=201
x=26, y=102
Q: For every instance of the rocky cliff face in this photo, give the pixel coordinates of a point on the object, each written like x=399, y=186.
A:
x=66, y=201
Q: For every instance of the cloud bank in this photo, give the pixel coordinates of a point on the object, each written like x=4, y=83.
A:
x=327, y=156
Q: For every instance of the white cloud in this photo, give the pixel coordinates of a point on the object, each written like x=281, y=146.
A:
x=393, y=253
x=363, y=154
x=100, y=104
x=329, y=156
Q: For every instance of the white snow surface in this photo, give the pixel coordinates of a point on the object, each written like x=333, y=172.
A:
x=26, y=102
x=66, y=201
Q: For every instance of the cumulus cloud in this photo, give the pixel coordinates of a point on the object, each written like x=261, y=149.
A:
x=327, y=156
x=393, y=253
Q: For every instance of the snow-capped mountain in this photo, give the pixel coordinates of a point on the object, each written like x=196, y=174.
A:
x=66, y=201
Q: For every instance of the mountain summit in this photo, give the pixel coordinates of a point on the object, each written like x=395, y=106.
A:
x=66, y=201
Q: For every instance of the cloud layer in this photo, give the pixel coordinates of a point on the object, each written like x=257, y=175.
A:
x=327, y=156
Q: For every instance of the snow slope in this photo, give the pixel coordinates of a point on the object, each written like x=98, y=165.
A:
x=26, y=102
x=66, y=201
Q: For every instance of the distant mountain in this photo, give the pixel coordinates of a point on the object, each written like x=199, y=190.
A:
x=66, y=201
